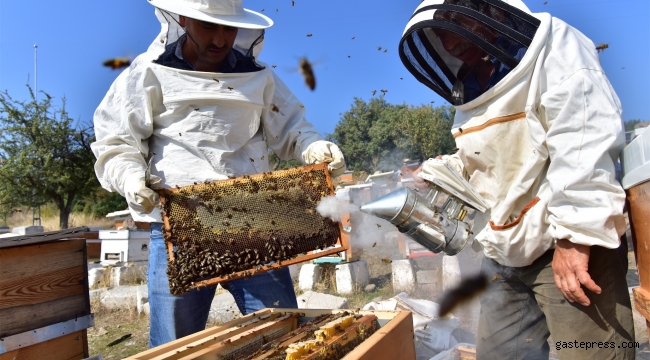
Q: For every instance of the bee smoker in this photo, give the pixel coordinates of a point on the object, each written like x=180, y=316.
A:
x=434, y=227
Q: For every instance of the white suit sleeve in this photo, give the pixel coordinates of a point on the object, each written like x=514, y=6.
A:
x=123, y=125
x=585, y=137
x=288, y=134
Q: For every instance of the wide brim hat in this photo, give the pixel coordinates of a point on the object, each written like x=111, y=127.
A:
x=224, y=12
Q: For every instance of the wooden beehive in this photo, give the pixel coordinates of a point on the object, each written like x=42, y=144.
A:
x=235, y=228
x=392, y=339
x=44, y=298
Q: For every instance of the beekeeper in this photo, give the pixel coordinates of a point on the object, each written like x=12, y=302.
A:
x=200, y=104
x=539, y=130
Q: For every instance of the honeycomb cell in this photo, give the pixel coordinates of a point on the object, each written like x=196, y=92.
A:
x=221, y=228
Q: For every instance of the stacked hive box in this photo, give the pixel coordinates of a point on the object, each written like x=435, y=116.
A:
x=44, y=299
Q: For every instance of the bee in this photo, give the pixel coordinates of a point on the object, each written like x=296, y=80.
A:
x=117, y=63
x=277, y=303
x=262, y=10
x=378, y=225
x=352, y=38
x=401, y=78
x=461, y=130
x=307, y=73
x=425, y=326
x=179, y=134
x=276, y=10
x=274, y=66
x=467, y=289
x=215, y=79
x=477, y=152
x=602, y=47
x=375, y=244
x=231, y=241
x=196, y=109
x=384, y=91
x=251, y=159
x=229, y=88
x=495, y=278
x=309, y=35
x=385, y=50
x=379, y=48
x=262, y=158
x=348, y=56
x=374, y=92
x=274, y=108
x=293, y=3
x=386, y=261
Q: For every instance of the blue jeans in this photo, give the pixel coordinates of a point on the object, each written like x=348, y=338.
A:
x=172, y=317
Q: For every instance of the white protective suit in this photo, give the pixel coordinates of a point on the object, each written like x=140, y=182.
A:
x=198, y=126
x=541, y=146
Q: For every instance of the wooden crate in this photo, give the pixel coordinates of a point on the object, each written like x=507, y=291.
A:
x=43, y=282
x=639, y=212
x=392, y=341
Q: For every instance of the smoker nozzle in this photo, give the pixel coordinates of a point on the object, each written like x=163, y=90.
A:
x=429, y=226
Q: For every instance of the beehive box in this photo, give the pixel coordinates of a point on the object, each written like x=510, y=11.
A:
x=392, y=338
x=44, y=299
x=235, y=228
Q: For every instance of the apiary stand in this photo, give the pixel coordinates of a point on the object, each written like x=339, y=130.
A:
x=393, y=340
x=44, y=298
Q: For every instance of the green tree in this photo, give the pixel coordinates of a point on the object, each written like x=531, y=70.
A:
x=630, y=124
x=44, y=155
x=378, y=136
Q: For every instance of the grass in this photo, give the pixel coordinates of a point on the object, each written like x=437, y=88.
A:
x=111, y=324
x=50, y=219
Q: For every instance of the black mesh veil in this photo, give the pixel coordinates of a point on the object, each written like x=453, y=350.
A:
x=462, y=48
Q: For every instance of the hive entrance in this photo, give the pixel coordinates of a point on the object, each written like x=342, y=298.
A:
x=232, y=228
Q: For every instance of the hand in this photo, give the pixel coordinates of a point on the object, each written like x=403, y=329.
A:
x=139, y=197
x=419, y=182
x=570, y=266
x=322, y=151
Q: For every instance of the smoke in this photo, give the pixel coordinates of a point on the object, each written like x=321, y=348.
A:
x=331, y=208
x=365, y=229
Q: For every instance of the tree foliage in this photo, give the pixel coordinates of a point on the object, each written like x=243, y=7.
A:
x=630, y=124
x=378, y=136
x=44, y=155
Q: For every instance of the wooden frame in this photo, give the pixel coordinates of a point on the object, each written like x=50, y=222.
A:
x=342, y=240
x=393, y=340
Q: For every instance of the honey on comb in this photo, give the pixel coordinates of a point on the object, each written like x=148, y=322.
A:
x=236, y=225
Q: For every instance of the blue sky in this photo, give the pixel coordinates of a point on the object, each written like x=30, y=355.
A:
x=74, y=37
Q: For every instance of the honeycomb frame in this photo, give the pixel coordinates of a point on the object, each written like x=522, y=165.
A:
x=213, y=236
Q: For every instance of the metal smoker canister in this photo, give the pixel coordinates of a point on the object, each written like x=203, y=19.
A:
x=429, y=226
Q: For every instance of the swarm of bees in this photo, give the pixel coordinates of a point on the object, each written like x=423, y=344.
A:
x=117, y=63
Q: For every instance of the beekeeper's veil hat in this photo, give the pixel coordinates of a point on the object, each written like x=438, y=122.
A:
x=500, y=31
x=251, y=24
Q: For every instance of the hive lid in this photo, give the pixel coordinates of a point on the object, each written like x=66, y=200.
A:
x=636, y=161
